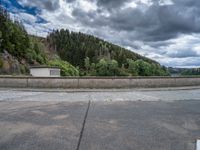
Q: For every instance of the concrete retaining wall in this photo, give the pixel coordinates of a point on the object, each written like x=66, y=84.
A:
x=96, y=82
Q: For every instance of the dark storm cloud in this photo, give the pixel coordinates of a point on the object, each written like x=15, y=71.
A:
x=183, y=53
x=189, y=3
x=158, y=22
x=70, y=1
x=92, y=19
x=158, y=44
x=149, y=23
x=111, y=4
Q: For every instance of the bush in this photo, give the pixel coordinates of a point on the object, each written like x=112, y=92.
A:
x=66, y=68
x=1, y=62
x=40, y=59
x=24, y=69
x=108, y=68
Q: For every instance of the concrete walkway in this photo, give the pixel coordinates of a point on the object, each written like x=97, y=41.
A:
x=153, y=119
x=77, y=95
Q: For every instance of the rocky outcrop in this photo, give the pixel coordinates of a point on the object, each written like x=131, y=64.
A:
x=9, y=64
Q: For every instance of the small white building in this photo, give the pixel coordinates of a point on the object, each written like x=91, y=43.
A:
x=44, y=71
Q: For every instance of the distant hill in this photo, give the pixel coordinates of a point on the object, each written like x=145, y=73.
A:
x=80, y=49
x=75, y=47
x=184, y=71
x=75, y=53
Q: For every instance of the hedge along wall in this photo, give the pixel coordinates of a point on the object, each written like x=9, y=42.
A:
x=97, y=82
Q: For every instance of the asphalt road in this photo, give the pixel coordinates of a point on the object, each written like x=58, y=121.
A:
x=142, y=119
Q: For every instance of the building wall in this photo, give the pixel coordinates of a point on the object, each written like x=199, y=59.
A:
x=44, y=72
x=92, y=82
x=39, y=72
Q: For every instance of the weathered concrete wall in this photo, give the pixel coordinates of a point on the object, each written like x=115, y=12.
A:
x=52, y=83
x=96, y=82
x=13, y=82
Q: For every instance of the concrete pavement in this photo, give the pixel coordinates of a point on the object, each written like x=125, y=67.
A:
x=153, y=119
x=39, y=126
x=142, y=126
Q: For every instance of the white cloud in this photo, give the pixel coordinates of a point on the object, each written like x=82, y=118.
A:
x=86, y=5
x=27, y=17
x=166, y=2
x=132, y=4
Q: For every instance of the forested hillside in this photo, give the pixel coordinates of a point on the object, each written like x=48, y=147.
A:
x=75, y=53
x=18, y=50
x=191, y=72
x=184, y=71
x=95, y=56
x=15, y=40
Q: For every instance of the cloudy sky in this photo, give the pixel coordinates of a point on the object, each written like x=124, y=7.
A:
x=167, y=31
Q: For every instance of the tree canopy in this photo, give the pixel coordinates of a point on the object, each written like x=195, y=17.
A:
x=97, y=57
x=15, y=40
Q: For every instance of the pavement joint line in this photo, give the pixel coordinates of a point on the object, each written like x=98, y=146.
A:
x=83, y=126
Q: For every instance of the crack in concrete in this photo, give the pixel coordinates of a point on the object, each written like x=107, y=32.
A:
x=83, y=126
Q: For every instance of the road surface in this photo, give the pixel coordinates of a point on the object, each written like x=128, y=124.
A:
x=153, y=119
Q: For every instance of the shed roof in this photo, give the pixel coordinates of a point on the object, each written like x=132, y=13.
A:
x=32, y=67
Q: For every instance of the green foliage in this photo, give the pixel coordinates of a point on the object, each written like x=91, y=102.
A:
x=15, y=40
x=112, y=68
x=66, y=68
x=93, y=69
x=1, y=62
x=100, y=58
x=142, y=68
x=132, y=68
x=0, y=36
x=102, y=68
x=87, y=63
x=35, y=53
x=24, y=69
x=75, y=47
x=191, y=72
x=107, y=68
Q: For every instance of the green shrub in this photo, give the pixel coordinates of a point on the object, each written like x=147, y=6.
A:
x=23, y=69
x=66, y=68
x=108, y=68
x=40, y=59
x=1, y=62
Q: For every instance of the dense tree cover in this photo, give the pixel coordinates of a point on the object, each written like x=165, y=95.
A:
x=107, y=67
x=100, y=58
x=15, y=40
x=194, y=71
x=75, y=47
x=1, y=62
x=184, y=71
x=28, y=50
x=142, y=68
